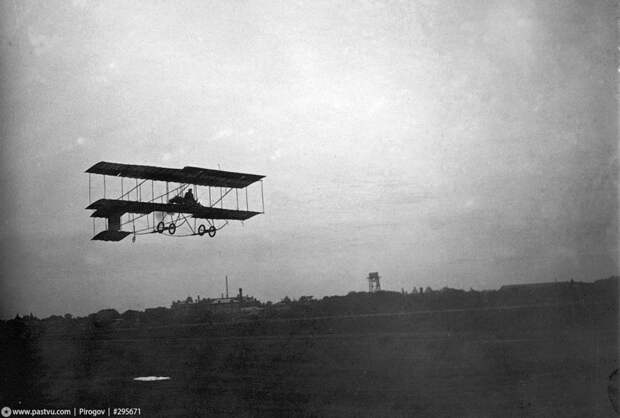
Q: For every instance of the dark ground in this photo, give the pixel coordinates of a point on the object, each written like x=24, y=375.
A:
x=519, y=361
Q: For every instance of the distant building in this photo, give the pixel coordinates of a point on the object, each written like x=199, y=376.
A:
x=217, y=305
x=374, y=285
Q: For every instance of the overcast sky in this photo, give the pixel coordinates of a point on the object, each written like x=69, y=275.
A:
x=462, y=144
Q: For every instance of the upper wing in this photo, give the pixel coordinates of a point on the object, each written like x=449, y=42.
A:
x=186, y=175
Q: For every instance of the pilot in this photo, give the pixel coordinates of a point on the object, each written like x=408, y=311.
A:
x=189, y=196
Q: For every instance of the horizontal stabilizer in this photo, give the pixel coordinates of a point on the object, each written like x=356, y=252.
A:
x=110, y=235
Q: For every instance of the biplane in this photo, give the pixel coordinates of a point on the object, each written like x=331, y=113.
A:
x=148, y=199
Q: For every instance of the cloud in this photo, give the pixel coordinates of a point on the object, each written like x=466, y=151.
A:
x=470, y=203
x=276, y=155
x=223, y=133
x=79, y=3
x=42, y=43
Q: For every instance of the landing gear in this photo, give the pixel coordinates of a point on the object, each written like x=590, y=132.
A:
x=161, y=227
x=203, y=229
x=211, y=231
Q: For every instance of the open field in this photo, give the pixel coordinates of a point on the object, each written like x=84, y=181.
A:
x=524, y=361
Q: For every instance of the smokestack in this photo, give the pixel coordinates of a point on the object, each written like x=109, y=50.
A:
x=226, y=287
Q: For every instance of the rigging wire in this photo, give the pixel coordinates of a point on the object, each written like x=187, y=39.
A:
x=148, y=230
x=180, y=189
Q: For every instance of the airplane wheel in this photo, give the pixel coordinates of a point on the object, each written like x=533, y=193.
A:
x=172, y=228
x=212, y=231
x=202, y=230
x=161, y=227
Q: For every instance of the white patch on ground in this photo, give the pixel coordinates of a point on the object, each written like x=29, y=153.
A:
x=151, y=378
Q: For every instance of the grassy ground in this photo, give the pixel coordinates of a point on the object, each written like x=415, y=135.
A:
x=381, y=367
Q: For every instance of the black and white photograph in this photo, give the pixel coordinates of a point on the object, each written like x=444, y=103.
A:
x=309, y=208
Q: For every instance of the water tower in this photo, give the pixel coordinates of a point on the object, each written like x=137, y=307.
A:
x=373, y=282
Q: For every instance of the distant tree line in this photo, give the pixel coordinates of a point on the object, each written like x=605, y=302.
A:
x=578, y=296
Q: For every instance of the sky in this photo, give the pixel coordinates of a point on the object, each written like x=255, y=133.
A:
x=462, y=144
